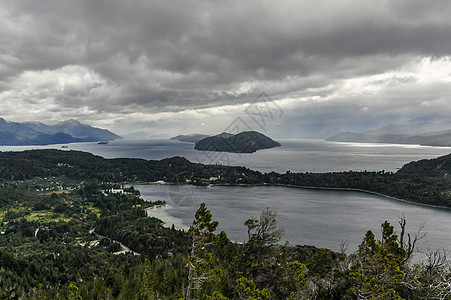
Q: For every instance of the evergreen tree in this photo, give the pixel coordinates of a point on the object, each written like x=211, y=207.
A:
x=379, y=272
x=201, y=261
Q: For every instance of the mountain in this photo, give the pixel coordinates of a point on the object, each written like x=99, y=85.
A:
x=191, y=138
x=36, y=133
x=440, y=138
x=224, y=135
x=417, y=126
x=196, y=137
x=244, y=142
x=75, y=129
x=419, y=131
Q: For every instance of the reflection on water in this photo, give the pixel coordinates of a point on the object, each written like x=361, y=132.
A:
x=323, y=218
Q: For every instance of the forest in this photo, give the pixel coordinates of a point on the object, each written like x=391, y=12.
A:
x=62, y=232
x=49, y=250
x=425, y=181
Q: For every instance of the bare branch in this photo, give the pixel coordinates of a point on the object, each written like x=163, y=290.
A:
x=409, y=244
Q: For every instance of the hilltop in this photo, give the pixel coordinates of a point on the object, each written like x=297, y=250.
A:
x=244, y=142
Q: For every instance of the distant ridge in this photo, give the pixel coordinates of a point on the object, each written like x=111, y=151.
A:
x=244, y=142
x=440, y=139
x=196, y=137
x=191, y=138
x=37, y=133
x=418, y=131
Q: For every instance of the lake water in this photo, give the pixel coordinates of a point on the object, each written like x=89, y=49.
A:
x=294, y=155
x=323, y=218
x=317, y=217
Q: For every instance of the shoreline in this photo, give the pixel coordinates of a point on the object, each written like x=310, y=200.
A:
x=308, y=187
x=159, y=212
x=339, y=189
x=366, y=192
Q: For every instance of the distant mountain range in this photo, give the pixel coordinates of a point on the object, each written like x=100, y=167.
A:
x=244, y=142
x=416, y=133
x=37, y=133
x=191, y=138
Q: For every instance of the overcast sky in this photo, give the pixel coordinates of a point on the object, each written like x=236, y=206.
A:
x=148, y=68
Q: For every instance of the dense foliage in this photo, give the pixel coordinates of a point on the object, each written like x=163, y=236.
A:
x=61, y=228
x=55, y=254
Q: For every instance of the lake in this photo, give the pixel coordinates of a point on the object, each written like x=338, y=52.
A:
x=295, y=155
x=317, y=217
x=323, y=218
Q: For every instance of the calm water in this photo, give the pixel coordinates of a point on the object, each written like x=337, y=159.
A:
x=323, y=218
x=294, y=155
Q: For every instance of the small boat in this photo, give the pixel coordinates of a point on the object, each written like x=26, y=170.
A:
x=102, y=143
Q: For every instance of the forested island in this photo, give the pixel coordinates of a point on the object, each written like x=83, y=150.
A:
x=243, y=142
x=65, y=213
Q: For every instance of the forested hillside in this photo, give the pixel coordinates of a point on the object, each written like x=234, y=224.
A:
x=63, y=230
x=65, y=246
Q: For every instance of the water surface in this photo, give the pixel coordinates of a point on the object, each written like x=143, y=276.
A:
x=323, y=218
x=294, y=155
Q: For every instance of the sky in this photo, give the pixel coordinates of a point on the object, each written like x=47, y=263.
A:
x=294, y=69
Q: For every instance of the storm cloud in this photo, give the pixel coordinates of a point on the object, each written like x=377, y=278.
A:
x=151, y=66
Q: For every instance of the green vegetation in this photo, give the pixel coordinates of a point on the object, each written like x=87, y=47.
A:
x=426, y=181
x=45, y=239
x=61, y=227
x=58, y=256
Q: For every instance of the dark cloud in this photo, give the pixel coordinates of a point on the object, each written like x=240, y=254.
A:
x=124, y=57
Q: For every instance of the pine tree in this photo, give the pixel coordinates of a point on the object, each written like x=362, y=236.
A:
x=201, y=261
x=379, y=272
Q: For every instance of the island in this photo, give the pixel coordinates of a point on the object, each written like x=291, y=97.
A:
x=244, y=142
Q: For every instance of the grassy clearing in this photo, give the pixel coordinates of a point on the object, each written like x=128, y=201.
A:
x=46, y=216
x=58, y=192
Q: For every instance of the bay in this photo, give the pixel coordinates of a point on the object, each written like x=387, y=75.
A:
x=323, y=218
